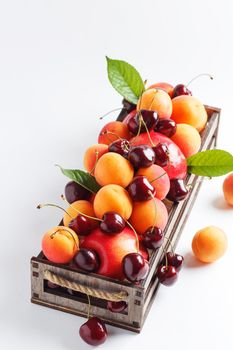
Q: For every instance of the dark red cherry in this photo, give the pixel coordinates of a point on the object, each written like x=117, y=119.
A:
x=167, y=275
x=161, y=154
x=181, y=89
x=116, y=306
x=93, y=331
x=140, y=189
x=74, y=192
x=87, y=260
x=175, y=260
x=153, y=238
x=150, y=118
x=127, y=108
x=121, y=147
x=166, y=127
x=81, y=225
x=112, y=223
x=178, y=191
x=141, y=156
x=135, y=267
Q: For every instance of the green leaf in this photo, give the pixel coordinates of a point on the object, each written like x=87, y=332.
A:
x=82, y=178
x=125, y=79
x=210, y=163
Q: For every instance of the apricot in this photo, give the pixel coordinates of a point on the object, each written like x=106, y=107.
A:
x=73, y=210
x=209, y=244
x=187, y=139
x=189, y=110
x=156, y=100
x=112, y=168
x=149, y=213
x=60, y=244
x=113, y=198
x=112, y=132
x=165, y=86
x=161, y=184
x=228, y=189
x=92, y=154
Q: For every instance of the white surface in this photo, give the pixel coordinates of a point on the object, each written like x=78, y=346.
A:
x=53, y=87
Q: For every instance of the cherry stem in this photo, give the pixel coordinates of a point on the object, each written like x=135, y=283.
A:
x=106, y=132
x=113, y=110
x=200, y=75
x=148, y=133
x=89, y=306
x=170, y=244
x=96, y=160
x=64, y=229
x=153, y=99
x=53, y=205
x=165, y=256
x=165, y=173
x=78, y=211
x=136, y=235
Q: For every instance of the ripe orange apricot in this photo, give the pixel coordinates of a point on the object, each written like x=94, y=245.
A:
x=209, y=244
x=156, y=100
x=161, y=184
x=112, y=132
x=148, y=213
x=165, y=86
x=189, y=110
x=187, y=139
x=73, y=210
x=113, y=198
x=228, y=189
x=112, y=168
x=92, y=154
x=60, y=244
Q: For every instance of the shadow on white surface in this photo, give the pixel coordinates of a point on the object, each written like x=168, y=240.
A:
x=191, y=262
x=220, y=203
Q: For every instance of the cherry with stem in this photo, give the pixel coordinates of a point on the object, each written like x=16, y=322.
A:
x=93, y=331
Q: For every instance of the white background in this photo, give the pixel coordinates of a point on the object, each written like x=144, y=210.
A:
x=53, y=87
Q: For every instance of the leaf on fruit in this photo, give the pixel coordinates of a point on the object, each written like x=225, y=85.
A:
x=83, y=178
x=210, y=163
x=125, y=79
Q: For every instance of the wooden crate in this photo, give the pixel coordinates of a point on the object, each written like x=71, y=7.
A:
x=139, y=297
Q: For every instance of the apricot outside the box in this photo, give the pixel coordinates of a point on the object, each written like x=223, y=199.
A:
x=228, y=189
x=209, y=244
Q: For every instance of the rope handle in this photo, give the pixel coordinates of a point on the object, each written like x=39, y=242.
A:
x=63, y=282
